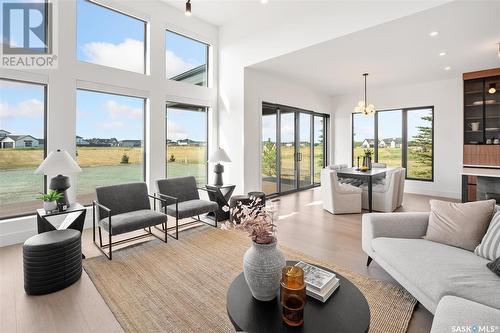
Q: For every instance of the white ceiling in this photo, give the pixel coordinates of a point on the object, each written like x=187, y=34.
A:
x=401, y=51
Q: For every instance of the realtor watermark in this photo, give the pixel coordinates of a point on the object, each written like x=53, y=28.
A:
x=27, y=32
x=475, y=328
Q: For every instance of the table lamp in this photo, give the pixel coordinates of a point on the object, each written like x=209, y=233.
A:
x=57, y=163
x=219, y=156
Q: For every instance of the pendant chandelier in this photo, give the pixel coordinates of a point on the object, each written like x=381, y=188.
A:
x=363, y=106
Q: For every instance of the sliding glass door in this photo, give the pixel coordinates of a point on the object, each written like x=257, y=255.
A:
x=293, y=148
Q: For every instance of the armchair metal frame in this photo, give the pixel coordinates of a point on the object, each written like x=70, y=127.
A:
x=110, y=244
x=175, y=200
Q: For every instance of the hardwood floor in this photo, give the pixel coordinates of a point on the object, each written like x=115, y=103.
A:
x=302, y=225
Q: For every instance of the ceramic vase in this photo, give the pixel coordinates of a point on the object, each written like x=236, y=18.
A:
x=49, y=206
x=262, y=264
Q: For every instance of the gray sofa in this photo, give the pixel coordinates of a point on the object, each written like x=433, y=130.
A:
x=452, y=283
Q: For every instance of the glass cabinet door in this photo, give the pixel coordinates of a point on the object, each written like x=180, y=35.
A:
x=473, y=111
x=492, y=110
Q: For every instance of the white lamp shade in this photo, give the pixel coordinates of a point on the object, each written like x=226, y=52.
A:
x=219, y=156
x=57, y=163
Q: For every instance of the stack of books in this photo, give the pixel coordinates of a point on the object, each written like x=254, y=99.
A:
x=320, y=284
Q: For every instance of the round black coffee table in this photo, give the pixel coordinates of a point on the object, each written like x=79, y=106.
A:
x=345, y=311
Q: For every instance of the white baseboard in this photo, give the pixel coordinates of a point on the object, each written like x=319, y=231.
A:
x=443, y=194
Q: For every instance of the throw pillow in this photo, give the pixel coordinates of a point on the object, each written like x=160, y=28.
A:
x=494, y=266
x=490, y=245
x=459, y=224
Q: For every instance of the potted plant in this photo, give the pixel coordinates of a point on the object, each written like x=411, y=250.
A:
x=263, y=261
x=50, y=200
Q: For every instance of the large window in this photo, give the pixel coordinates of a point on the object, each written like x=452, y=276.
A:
x=186, y=59
x=402, y=137
x=109, y=141
x=187, y=141
x=269, y=151
x=110, y=38
x=319, y=147
x=22, y=146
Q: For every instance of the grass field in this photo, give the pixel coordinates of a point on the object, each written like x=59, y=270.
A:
x=392, y=156
x=100, y=167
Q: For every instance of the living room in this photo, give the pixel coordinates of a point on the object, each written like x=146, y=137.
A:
x=130, y=129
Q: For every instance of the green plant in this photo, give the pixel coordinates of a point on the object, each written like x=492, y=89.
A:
x=368, y=152
x=172, y=158
x=125, y=159
x=51, y=195
x=269, y=158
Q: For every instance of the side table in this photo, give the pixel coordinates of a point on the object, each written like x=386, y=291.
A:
x=221, y=196
x=75, y=218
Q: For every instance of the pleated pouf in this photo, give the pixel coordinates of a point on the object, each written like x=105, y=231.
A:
x=52, y=261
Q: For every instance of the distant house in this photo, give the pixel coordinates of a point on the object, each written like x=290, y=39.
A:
x=130, y=143
x=367, y=143
x=195, y=76
x=97, y=142
x=81, y=141
x=4, y=133
x=382, y=144
x=19, y=141
x=188, y=142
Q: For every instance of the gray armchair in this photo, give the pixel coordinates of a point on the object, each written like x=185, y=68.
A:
x=124, y=208
x=182, y=200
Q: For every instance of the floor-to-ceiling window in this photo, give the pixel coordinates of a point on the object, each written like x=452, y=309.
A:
x=402, y=137
x=109, y=141
x=187, y=141
x=22, y=145
x=110, y=38
x=293, y=148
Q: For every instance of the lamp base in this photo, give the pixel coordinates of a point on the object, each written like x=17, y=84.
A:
x=60, y=183
x=218, y=170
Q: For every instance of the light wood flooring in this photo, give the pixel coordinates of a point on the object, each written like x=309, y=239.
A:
x=303, y=225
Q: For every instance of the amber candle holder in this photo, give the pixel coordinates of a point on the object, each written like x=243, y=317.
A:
x=293, y=295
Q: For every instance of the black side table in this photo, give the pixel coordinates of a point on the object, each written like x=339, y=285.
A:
x=221, y=196
x=75, y=218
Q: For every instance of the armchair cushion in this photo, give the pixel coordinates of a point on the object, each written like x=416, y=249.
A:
x=131, y=221
x=182, y=188
x=122, y=198
x=192, y=208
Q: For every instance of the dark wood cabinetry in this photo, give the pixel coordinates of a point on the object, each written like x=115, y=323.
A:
x=481, y=125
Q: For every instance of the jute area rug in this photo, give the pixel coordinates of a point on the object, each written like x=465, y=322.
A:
x=181, y=286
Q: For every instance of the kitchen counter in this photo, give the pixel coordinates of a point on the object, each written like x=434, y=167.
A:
x=481, y=172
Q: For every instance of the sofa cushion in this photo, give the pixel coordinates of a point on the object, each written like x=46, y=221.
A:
x=490, y=245
x=464, y=315
x=437, y=270
x=192, y=208
x=132, y=221
x=459, y=224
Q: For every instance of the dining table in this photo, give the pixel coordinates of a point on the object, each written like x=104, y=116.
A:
x=369, y=176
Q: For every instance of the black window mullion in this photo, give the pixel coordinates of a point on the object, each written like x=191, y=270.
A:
x=375, y=144
x=404, y=141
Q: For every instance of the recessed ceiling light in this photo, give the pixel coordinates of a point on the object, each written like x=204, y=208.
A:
x=447, y=68
x=442, y=54
x=264, y=1
x=434, y=33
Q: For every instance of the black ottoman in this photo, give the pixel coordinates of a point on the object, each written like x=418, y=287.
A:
x=52, y=261
x=260, y=195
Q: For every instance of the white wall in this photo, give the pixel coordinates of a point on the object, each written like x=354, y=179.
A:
x=264, y=87
x=447, y=99
x=72, y=74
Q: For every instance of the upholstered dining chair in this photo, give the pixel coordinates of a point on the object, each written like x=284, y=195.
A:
x=339, y=198
x=121, y=209
x=384, y=193
x=379, y=165
x=182, y=200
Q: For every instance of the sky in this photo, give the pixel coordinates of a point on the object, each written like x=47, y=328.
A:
x=184, y=124
x=288, y=128
x=107, y=38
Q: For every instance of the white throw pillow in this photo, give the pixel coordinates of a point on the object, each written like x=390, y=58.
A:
x=490, y=245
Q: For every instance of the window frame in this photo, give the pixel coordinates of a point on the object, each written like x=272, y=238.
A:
x=207, y=128
x=119, y=11
x=144, y=126
x=207, y=59
x=404, y=139
x=45, y=116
